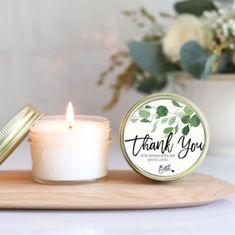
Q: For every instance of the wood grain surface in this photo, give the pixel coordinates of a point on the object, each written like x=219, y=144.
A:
x=120, y=190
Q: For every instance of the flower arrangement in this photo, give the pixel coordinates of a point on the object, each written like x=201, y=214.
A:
x=200, y=41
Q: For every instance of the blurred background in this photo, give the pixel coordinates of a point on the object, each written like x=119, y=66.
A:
x=53, y=52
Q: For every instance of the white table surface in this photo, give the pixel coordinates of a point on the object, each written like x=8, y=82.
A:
x=214, y=218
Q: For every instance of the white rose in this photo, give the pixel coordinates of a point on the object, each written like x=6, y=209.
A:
x=185, y=28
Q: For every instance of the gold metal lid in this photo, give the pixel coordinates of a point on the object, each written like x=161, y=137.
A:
x=13, y=133
x=164, y=137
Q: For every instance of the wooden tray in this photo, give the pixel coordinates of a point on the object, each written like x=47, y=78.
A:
x=121, y=190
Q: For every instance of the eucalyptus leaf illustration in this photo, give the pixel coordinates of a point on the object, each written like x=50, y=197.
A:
x=144, y=113
x=185, y=119
x=175, y=103
x=148, y=107
x=134, y=119
x=154, y=127
x=164, y=120
x=162, y=111
x=172, y=121
x=181, y=114
x=186, y=130
x=188, y=111
x=168, y=130
x=176, y=129
x=195, y=121
x=145, y=120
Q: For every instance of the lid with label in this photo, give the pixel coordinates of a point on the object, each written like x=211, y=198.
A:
x=12, y=134
x=164, y=137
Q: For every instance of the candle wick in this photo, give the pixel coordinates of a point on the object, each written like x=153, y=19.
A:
x=70, y=126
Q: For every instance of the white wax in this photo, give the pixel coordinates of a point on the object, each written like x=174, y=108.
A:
x=62, y=154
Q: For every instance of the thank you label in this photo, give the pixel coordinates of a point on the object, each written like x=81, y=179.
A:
x=163, y=137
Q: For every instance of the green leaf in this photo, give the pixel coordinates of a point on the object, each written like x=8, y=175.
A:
x=185, y=119
x=194, y=7
x=195, y=121
x=186, y=130
x=188, y=111
x=162, y=111
x=176, y=129
x=211, y=60
x=172, y=121
x=145, y=120
x=175, y=103
x=193, y=58
x=180, y=115
x=154, y=127
x=148, y=107
x=149, y=56
x=134, y=119
x=150, y=84
x=168, y=130
x=164, y=120
x=144, y=113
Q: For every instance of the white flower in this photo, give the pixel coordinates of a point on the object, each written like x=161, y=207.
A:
x=231, y=26
x=185, y=28
x=222, y=21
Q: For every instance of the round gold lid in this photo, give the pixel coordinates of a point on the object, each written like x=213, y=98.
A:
x=164, y=137
x=13, y=133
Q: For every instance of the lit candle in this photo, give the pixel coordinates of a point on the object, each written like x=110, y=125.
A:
x=70, y=115
x=69, y=149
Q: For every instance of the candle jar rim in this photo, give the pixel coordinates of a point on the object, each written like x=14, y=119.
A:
x=34, y=131
x=95, y=118
x=42, y=136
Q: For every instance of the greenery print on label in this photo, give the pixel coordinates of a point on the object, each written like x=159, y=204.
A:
x=171, y=120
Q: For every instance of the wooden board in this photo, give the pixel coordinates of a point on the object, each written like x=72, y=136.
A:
x=121, y=190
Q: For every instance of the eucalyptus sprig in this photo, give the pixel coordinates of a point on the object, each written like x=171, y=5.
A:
x=184, y=115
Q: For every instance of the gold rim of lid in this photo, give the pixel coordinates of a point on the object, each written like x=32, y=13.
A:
x=14, y=132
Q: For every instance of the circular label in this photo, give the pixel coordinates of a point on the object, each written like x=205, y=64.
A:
x=164, y=137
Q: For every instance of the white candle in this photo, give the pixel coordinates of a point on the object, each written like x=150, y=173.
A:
x=69, y=149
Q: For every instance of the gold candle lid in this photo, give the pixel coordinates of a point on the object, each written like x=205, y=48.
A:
x=13, y=133
x=164, y=137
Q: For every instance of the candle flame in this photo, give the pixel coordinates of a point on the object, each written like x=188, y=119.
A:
x=70, y=115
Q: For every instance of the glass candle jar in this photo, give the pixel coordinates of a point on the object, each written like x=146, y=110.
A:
x=63, y=154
